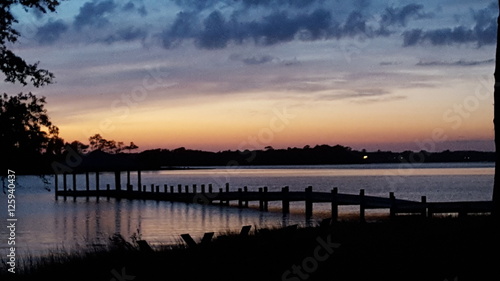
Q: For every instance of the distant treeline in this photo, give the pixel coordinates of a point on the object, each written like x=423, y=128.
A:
x=317, y=155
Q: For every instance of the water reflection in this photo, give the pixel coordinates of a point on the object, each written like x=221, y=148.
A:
x=46, y=223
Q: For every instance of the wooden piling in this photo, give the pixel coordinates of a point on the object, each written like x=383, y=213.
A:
x=286, y=201
x=97, y=181
x=56, y=185
x=179, y=188
x=186, y=189
x=210, y=188
x=240, y=195
x=157, y=189
x=139, y=183
x=362, y=205
x=309, y=202
x=152, y=187
x=335, y=204
x=87, y=181
x=227, y=191
x=266, y=201
x=74, y=181
x=203, y=189
x=245, y=189
x=165, y=188
x=118, y=180
x=171, y=189
x=424, y=206
x=128, y=177
x=65, y=183
x=221, y=202
x=194, y=188
x=261, y=199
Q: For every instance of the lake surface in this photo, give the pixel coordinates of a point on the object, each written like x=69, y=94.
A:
x=45, y=223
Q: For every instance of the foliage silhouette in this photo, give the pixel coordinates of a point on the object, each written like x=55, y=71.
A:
x=14, y=67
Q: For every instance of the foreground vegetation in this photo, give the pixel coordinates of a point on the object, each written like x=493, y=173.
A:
x=402, y=249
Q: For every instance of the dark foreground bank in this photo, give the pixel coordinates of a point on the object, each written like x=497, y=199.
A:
x=404, y=249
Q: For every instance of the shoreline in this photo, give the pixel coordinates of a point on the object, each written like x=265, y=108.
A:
x=410, y=247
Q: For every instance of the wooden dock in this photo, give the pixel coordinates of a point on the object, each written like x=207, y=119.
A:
x=205, y=194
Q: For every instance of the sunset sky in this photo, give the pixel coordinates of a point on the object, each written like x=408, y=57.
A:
x=237, y=74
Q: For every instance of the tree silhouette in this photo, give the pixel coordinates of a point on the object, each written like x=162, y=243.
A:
x=14, y=67
x=25, y=130
x=97, y=142
x=131, y=147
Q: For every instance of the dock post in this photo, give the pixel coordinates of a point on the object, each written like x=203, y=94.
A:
x=128, y=177
x=392, y=210
x=87, y=181
x=144, y=188
x=261, y=201
x=210, y=188
x=152, y=187
x=65, y=183
x=157, y=189
x=309, y=203
x=203, y=189
x=186, y=189
x=74, y=181
x=335, y=204
x=362, y=206
x=221, y=202
x=266, y=202
x=240, y=201
x=179, y=188
x=194, y=188
x=245, y=189
x=285, y=203
x=118, y=181
x=165, y=188
x=139, y=183
x=56, y=185
x=227, y=191
x=97, y=182
x=424, y=206
x=171, y=189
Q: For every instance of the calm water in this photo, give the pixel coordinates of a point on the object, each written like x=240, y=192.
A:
x=47, y=224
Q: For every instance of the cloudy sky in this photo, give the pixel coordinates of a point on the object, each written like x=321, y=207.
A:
x=236, y=74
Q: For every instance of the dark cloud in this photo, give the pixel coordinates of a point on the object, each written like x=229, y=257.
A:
x=455, y=63
x=94, y=14
x=50, y=32
x=400, y=16
x=127, y=34
x=183, y=27
x=216, y=31
x=482, y=33
x=131, y=7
